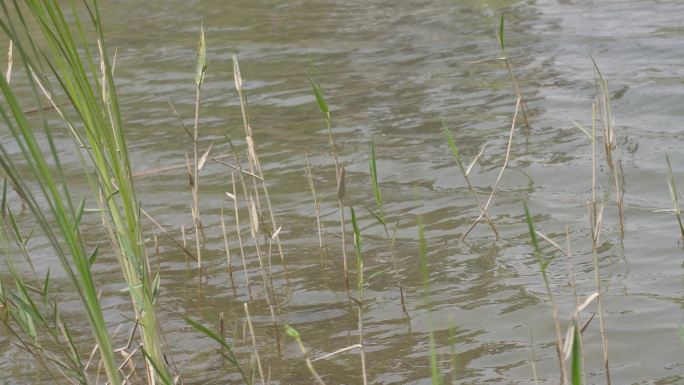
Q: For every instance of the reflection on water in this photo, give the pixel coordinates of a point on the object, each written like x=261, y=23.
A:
x=393, y=71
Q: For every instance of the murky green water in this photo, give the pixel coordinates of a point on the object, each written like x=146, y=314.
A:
x=392, y=70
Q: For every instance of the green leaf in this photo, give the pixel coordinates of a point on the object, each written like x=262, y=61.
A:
x=318, y=93
x=3, y=202
x=501, y=32
x=155, y=285
x=547, y=262
x=230, y=357
x=530, y=226
x=79, y=214
x=45, y=290
x=452, y=143
x=93, y=255
x=576, y=358
x=376, y=216
x=374, y=179
x=161, y=375
x=292, y=332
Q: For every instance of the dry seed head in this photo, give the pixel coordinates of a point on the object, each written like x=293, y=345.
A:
x=204, y=157
x=254, y=218
x=251, y=152
x=340, y=182
x=236, y=74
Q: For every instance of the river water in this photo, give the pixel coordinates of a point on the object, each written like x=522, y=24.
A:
x=392, y=71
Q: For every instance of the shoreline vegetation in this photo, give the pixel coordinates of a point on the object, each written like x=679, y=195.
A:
x=66, y=63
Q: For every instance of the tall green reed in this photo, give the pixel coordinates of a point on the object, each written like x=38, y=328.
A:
x=95, y=123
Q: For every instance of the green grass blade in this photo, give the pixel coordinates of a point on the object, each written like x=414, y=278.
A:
x=532, y=231
x=576, y=358
x=374, y=180
x=230, y=355
x=357, y=248
x=376, y=216
x=501, y=32
x=318, y=94
x=451, y=142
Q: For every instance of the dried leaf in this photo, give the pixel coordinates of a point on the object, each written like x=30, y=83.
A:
x=275, y=235
x=204, y=157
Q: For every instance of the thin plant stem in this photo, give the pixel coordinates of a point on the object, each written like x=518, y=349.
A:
x=254, y=344
x=295, y=334
x=199, y=80
x=339, y=171
x=229, y=262
x=317, y=204
x=501, y=172
x=597, y=279
x=360, y=284
x=543, y=265
x=234, y=197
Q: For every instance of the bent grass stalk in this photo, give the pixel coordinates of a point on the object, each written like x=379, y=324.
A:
x=292, y=332
x=501, y=172
x=457, y=156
